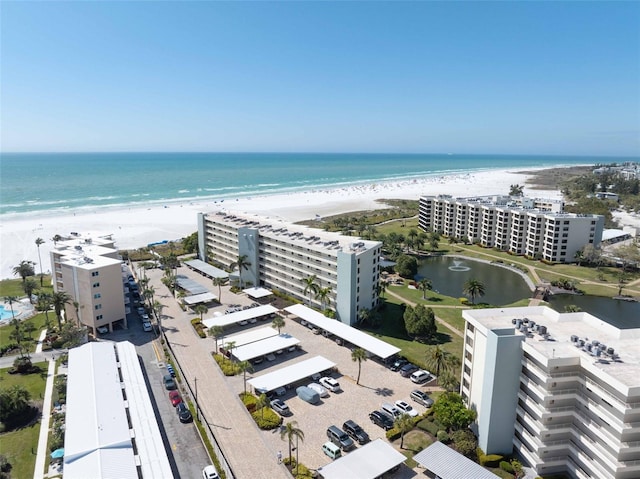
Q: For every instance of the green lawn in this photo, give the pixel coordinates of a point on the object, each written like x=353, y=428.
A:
x=13, y=287
x=38, y=321
x=20, y=446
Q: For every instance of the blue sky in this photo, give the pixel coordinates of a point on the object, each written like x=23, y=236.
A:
x=428, y=77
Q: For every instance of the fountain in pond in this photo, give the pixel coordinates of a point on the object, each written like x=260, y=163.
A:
x=457, y=266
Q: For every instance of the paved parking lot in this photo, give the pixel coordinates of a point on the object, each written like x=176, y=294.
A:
x=378, y=384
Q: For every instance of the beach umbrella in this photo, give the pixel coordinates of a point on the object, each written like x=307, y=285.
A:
x=58, y=453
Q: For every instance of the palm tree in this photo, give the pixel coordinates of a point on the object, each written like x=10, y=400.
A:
x=216, y=332
x=11, y=300
x=229, y=346
x=439, y=361
x=278, y=323
x=169, y=280
x=157, y=307
x=220, y=282
x=59, y=299
x=29, y=286
x=382, y=287
x=405, y=424
x=245, y=366
x=261, y=403
x=291, y=430
x=364, y=315
x=323, y=294
x=425, y=285
x=24, y=269
x=148, y=294
x=473, y=288
x=310, y=286
x=201, y=309
x=40, y=241
x=241, y=263
x=43, y=305
x=358, y=355
x=76, y=306
x=55, y=239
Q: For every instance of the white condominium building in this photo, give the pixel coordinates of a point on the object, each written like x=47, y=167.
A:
x=90, y=271
x=282, y=255
x=536, y=228
x=562, y=389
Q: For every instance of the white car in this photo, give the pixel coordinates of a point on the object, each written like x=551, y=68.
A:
x=210, y=472
x=406, y=408
x=319, y=389
x=330, y=383
x=147, y=326
x=421, y=376
x=103, y=329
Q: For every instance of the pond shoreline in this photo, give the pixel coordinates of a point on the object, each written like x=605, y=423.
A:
x=524, y=275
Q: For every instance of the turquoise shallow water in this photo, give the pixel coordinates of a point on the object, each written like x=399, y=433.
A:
x=37, y=182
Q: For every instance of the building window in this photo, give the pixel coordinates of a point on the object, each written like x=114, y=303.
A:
x=95, y=273
x=97, y=296
x=96, y=285
x=98, y=306
x=99, y=317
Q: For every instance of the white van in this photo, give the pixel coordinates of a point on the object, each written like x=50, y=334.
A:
x=331, y=450
x=390, y=410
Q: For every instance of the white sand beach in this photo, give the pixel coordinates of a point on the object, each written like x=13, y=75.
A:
x=138, y=226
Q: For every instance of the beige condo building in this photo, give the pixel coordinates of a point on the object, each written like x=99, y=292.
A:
x=89, y=269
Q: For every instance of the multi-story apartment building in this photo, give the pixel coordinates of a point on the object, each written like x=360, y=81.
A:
x=562, y=389
x=525, y=226
x=90, y=271
x=282, y=255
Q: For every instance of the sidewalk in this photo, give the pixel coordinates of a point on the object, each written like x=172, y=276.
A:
x=41, y=457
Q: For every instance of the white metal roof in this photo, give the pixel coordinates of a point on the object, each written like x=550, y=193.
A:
x=367, y=462
x=193, y=287
x=266, y=346
x=449, y=464
x=257, y=293
x=249, y=337
x=97, y=439
x=146, y=433
x=206, y=269
x=244, y=315
x=290, y=374
x=200, y=298
x=344, y=331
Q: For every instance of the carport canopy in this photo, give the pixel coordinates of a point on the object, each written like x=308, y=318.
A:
x=257, y=293
x=449, y=464
x=368, y=462
x=244, y=315
x=190, y=285
x=206, y=269
x=290, y=374
x=249, y=337
x=265, y=346
x=362, y=340
x=199, y=298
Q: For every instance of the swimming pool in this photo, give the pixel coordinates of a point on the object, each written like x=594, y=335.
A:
x=6, y=314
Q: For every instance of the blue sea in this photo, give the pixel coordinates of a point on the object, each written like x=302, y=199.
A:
x=63, y=182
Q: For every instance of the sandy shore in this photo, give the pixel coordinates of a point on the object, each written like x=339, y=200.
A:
x=138, y=226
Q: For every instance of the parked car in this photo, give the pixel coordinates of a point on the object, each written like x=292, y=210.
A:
x=408, y=369
x=141, y=310
x=280, y=407
x=398, y=363
x=330, y=383
x=421, y=376
x=171, y=371
x=406, y=408
x=390, y=410
x=174, y=397
x=331, y=450
x=319, y=389
x=146, y=326
x=145, y=317
x=340, y=438
x=183, y=412
x=355, y=432
x=169, y=382
x=421, y=397
x=103, y=329
x=381, y=419
x=210, y=472
x=308, y=395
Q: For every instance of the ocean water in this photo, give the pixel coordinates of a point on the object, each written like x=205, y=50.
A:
x=39, y=182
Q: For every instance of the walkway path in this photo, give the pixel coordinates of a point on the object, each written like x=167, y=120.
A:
x=439, y=320
x=43, y=334
x=41, y=457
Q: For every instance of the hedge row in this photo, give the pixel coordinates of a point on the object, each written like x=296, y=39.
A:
x=199, y=327
x=394, y=433
x=431, y=425
x=489, y=460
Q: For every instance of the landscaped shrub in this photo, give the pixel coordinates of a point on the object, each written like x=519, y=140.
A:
x=490, y=460
x=266, y=418
x=228, y=367
x=463, y=300
x=199, y=327
x=249, y=401
x=430, y=425
x=443, y=436
x=505, y=466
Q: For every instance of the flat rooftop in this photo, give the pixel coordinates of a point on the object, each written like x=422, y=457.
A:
x=303, y=235
x=561, y=327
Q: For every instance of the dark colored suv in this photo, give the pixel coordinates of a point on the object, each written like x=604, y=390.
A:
x=408, y=369
x=381, y=419
x=355, y=431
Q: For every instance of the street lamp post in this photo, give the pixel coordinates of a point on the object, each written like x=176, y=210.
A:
x=195, y=380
